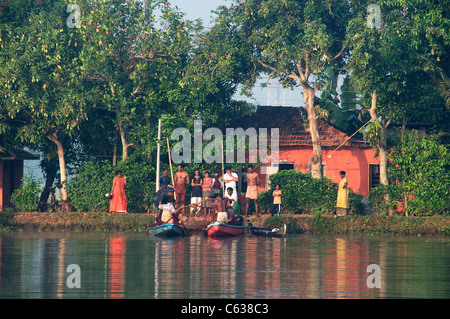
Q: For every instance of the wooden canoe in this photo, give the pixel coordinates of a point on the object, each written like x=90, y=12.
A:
x=166, y=230
x=217, y=229
x=266, y=232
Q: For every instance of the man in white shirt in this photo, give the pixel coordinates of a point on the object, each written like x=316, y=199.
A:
x=230, y=180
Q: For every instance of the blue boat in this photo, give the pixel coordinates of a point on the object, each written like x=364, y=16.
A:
x=166, y=230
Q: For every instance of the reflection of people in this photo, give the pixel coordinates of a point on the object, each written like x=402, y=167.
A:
x=252, y=189
x=276, y=208
x=342, y=198
x=181, y=179
x=118, y=203
x=196, y=195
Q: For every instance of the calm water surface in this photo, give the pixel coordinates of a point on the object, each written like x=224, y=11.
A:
x=130, y=265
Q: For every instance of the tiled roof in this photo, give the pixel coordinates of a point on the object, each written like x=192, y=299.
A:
x=19, y=155
x=291, y=123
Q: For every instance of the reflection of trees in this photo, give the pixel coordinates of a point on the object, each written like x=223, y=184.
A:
x=305, y=266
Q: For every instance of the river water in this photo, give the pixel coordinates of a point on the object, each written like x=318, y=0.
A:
x=97, y=265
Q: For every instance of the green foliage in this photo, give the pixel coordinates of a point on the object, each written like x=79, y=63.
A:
x=26, y=197
x=420, y=167
x=377, y=198
x=89, y=186
x=7, y=219
x=93, y=180
x=304, y=194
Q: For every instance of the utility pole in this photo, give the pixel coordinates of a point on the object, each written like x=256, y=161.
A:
x=158, y=155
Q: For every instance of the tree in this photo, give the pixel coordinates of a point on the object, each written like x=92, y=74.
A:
x=40, y=80
x=420, y=169
x=293, y=41
x=134, y=61
x=387, y=70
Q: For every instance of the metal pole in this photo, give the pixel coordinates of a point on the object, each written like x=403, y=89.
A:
x=158, y=155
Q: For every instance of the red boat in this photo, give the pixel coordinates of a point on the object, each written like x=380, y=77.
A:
x=217, y=229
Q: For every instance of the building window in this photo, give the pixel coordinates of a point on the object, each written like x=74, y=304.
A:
x=374, y=175
x=285, y=166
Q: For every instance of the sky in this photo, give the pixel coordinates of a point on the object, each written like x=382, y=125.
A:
x=274, y=94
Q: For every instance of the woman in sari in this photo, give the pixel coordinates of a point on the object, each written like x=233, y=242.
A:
x=342, y=205
x=118, y=202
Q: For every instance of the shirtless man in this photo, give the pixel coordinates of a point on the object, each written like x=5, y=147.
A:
x=181, y=179
x=252, y=189
x=220, y=205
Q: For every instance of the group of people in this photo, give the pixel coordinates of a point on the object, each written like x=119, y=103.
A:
x=211, y=195
x=207, y=192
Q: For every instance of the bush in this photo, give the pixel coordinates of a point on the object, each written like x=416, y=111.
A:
x=304, y=194
x=88, y=188
x=377, y=200
x=420, y=170
x=26, y=197
x=93, y=180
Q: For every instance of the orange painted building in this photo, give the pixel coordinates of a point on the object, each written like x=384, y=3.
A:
x=339, y=152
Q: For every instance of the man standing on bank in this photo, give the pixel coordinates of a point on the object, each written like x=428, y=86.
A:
x=230, y=178
x=252, y=189
x=181, y=179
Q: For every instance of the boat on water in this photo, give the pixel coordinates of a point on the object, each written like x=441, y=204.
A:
x=166, y=230
x=218, y=229
x=266, y=232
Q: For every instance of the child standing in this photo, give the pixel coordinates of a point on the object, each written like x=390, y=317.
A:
x=276, y=208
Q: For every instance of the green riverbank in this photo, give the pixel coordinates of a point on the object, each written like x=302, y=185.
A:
x=375, y=224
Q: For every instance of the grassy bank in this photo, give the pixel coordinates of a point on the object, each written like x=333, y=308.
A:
x=375, y=224
x=76, y=221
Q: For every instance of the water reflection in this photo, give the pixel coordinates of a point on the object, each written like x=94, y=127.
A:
x=129, y=265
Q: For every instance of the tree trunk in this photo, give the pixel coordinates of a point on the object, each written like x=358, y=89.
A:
x=316, y=159
x=115, y=150
x=62, y=170
x=125, y=144
x=50, y=170
x=384, y=179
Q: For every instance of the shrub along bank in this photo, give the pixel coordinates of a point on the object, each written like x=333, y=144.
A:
x=75, y=221
x=374, y=224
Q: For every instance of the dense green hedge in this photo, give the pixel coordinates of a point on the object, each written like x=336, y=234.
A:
x=93, y=180
x=304, y=194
